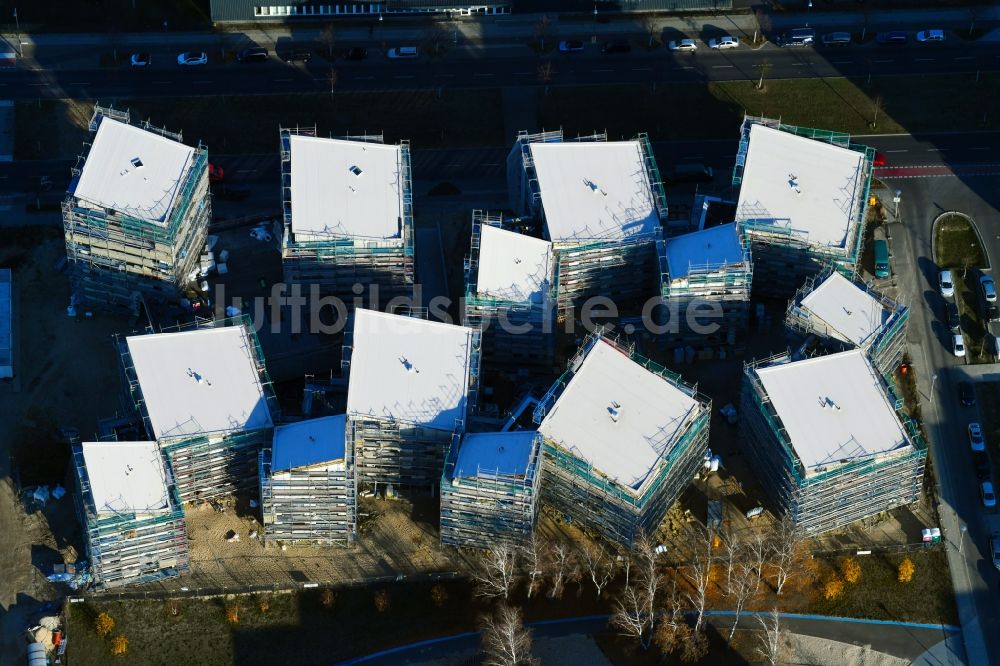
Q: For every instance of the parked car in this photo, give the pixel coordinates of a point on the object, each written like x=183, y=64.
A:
x=967, y=394
x=836, y=39
x=976, y=439
x=356, y=53
x=216, y=174
x=958, y=345
x=725, y=42
x=616, y=46
x=141, y=60
x=946, y=284
x=252, y=54
x=892, y=38
x=571, y=46
x=982, y=464
x=930, y=36
x=995, y=550
x=986, y=493
x=192, y=58
x=399, y=52
x=992, y=312
x=879, y=159
x=989, y=288
x=297, y=55
x=798, y=37
x=683, y=45
x=951, y=316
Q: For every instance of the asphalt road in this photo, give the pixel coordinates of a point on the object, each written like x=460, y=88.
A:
x=483, y=67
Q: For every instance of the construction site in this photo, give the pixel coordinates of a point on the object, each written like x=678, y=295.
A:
x=803, y=198
x=490, y=488
x=623, y=437
x=307, y=487
x=707, y=269
x=510, y=296
x=601, y=205
x=840, y=314
x=6, y=324
x=348, y=217
x=829, y=439
x=136, y=215
x=131, y=513
x=412, y=385
x=204, y=396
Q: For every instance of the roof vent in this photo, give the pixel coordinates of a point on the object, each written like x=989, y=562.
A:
x=356, y=170
x=793, y=182
x=406, y=364
x=615, y=411
x=500, y=449
x=197, y=377
x=517, y=260
x=136, y=162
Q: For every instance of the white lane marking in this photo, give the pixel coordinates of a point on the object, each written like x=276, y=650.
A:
x=404, y=76
x=722, y=66
x=522, y=73
x=897, y=151
x=642, y=69
x=163, y=83
x=883, y=61
x=604, y=71
x=924, y=60
x=201, y=82
x=980, y=148
x=443, y=76
x=483, y=75
x=356, y=78
x=80, y=83
x=966, y=58
x=282, y=80
x=842, y=62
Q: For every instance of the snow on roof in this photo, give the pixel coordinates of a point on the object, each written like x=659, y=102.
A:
x=308, y=443
x=513, y=266
x=810, y=184
x=346, y=188
x=594, y=190
x=618, y=416
x=200, y=381
x=490, y=453
x=713, y=247
x=852, y=314
x=133, y=171
x=409, y=369
x=6, y=324
x=833, y=408
x=126, y=477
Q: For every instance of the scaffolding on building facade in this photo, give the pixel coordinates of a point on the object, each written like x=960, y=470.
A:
x=208, y=464
x=118, y=259
x=481, y=509
x=129, y=548
x=336, y=263
x=315, y=504
x=845, y=491
x=517, y=336
x=784, y=256
x=583, y=493
x=885, y=347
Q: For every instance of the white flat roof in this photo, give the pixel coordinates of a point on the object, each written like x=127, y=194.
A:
x=346, y=188
x=307, y=443
x=714, y=247
x=808, y=184
x=409, y=369
x=201, y=381
x=133, y=171
x=833, y=408
x=512, y=266
x=126, y=477
x=594, y=190
x=652, y=414
x=853, y=314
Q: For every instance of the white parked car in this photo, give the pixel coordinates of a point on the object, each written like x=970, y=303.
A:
x=946, y=284
x=976, y=437
x=727, y=42
x=683, y=45
x=930, y=36
x=192, y=58
x=986, y=492
x=141, y=60
x=958, y=345
x=995, y=549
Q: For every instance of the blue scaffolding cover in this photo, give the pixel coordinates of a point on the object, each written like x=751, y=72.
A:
x=492, y=453
x=308, y=443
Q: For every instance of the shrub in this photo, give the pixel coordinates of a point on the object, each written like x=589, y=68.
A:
x=328, y=598
x=833, y=589
x=119, y=645
x=233, y=613
x=104, y=625
x=439, y=595
x=264, y=604
x=906, y=571
x=172, y=607
x=851, y=570
x=382, y=601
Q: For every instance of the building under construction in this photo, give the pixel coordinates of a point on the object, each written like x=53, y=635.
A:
x=509, y=296
x=841, y=314
x=411, y=385
x=348, y=217
x=6, y=324
x=205, y=397
x=307, y=487
x=601, y=204
x=131, y=513
x=829, y=439
x=802, y=203
x=489, y=489
x=136, y=215
x=707, y=286
x=623, y=437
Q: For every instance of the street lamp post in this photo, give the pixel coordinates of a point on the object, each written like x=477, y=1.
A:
x=895, y=200
x=961, y=543
x=933, y=380
x=17, y=23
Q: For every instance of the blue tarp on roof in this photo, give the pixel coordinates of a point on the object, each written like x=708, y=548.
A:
x=715, y=246
x=490, y=453
x=308, y=443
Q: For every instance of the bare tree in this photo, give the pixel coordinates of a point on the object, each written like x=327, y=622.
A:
x=599, y=564
x=494, y=577
x=786, y=552
x=332, y=77
x=763, y=22
x=631, y=615
x=564, y=567
x=732, y=550
x=649, y=26
x=328, y=38
x=743, y=587
x=624, y=562
x=770, y=647
x=542, y=31
x=698, y=574
x=647, y=575
x=506, y=642
x=878, y=106
x=765, y=69
x=672, y=631
x=533, y=559
x=545, y=73
x=757, y=550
